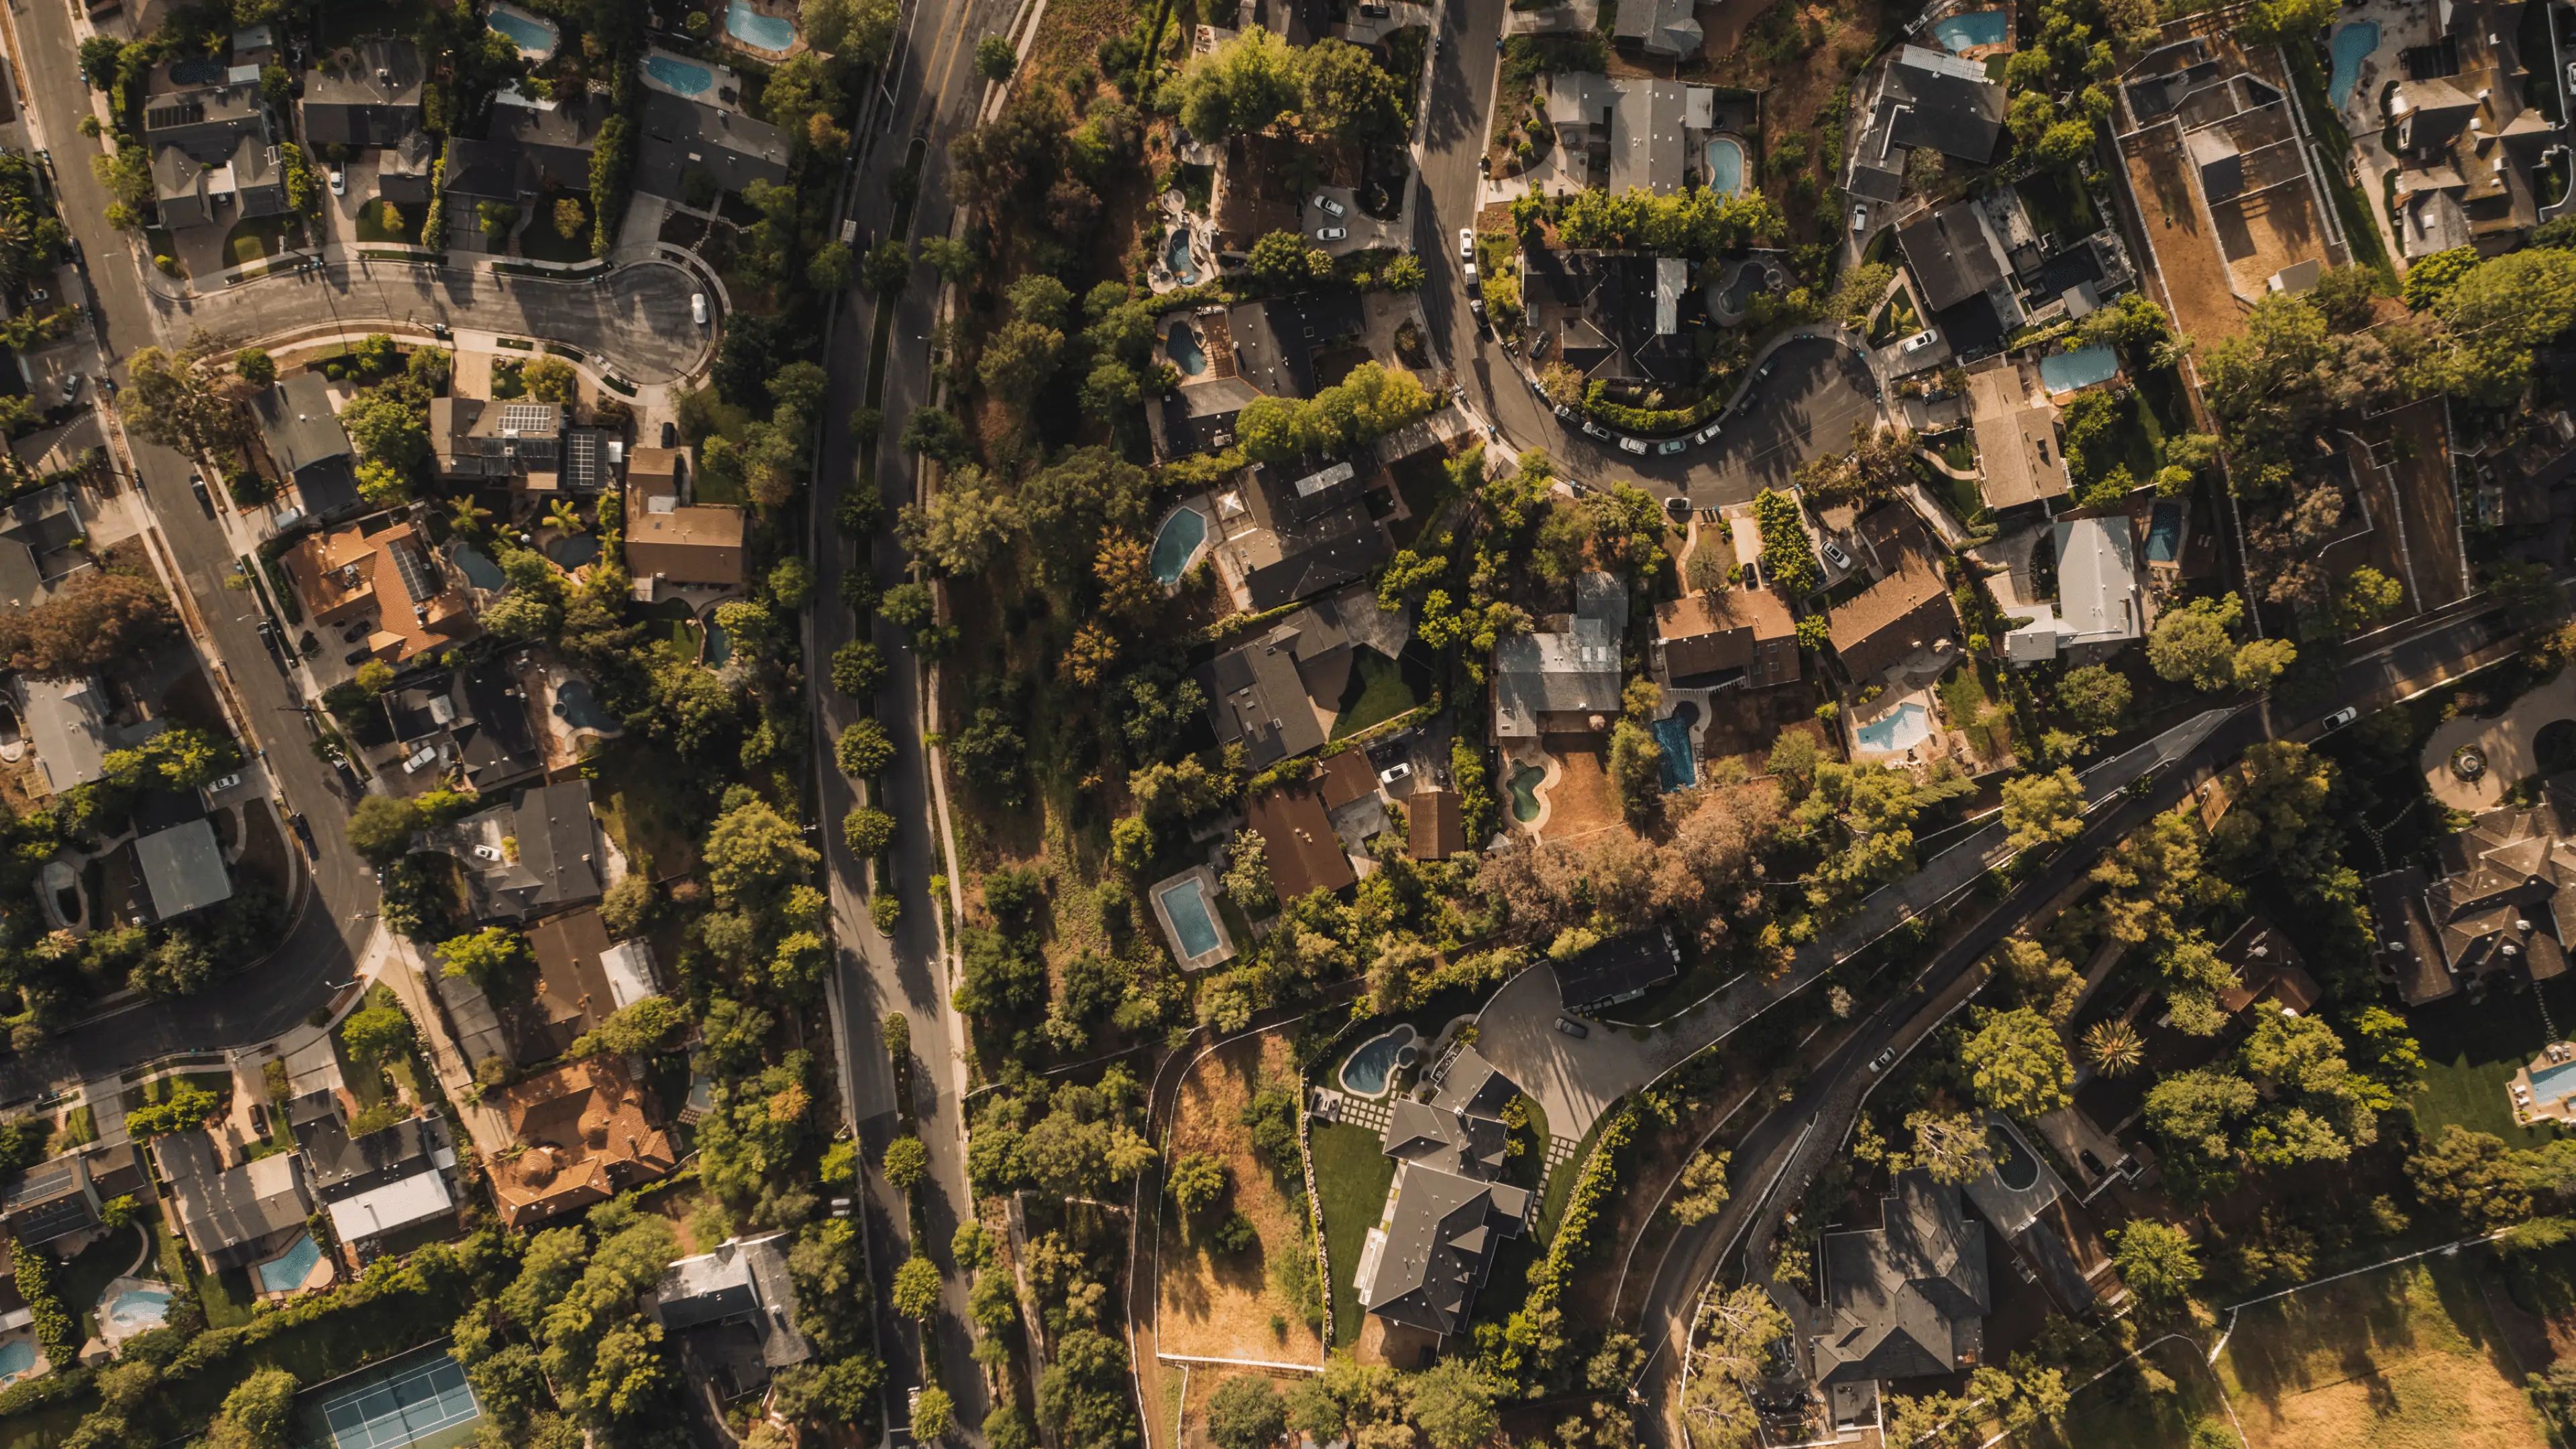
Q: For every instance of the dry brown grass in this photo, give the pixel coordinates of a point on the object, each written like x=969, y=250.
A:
x=1216, y=1305
x=2186, y=255
x=1580, y=803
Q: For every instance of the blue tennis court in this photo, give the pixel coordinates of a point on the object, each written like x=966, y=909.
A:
x=411, y=1403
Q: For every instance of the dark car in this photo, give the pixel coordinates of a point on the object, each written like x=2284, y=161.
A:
x=268, y=636
x=357, y=656
x=197, y=485
x=304, y=831
x=670, y=436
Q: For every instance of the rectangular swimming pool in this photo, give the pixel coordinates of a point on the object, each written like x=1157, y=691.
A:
x=2551, y=1085
x=1187, y=904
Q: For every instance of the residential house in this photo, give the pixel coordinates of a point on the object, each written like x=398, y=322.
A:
x=1630, y=133
x=517, y=440
x=2018, y=458
x=1276, y=343
x=477, y=172
x=67, y=721
x=1959, y=270
x=1609, y=315
x=1277, y=696
x=2050, y=1234
x=308, y=446
x=589, y=463
x=718, y=150
x=248, y=184
x=554, y=141
x=367, y=106
x=1667, y=28
x=390, y=578
x=1434, y=827
x=2268, y=968
x=1303, y=531
x=1447, y=1212
x=671, y=540
x=589, y=1134
x=476, y=718
x=209, y=123
x=742, y=1289
x=182, y=869
x=1564, y=677
x=65, y=1195
x=1716, y=638
x=1906, y=1299
x=1198, y=416
x=1904, y=613
x=2499, y=911
x=582, y=979
x=2102, y=606
x=41, y=530
x=233, y=1217
x=1617, y=970
x=1297, y=840
x=382, y=1182
x=558, y=863
x=2471, y=141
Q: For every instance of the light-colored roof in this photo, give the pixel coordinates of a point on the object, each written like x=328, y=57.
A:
x=2097, y=581
x=698, y=543
x=183, y=868
x=397, y=1204
x=2017, y=447
x=629, y=968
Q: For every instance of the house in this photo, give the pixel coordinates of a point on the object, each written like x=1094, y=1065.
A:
x=2470, y=141
x=1434, y=828
x=1301, y=536
x=2018, y=457
x=742, y=1287
x=476, y=718
x=479, y=171
x=1721, y=637
x=41, y=530
x=1447, y=1213
x=1198, y=417
x=384, y=1181
x=2101, y=606
x=589, y=1134
x=554, y=142
x=1617, y=970
x=390, y=578
x=2268, y=968
x=1935, y=99
x=516, y=439
x=1277, y=695
x=2409, y=955
x=1274, y=342
x=190, y=192
x=233, y=1216
x=67, y=722
x=589, y=462
x=67, y=1194
x=2028, y=1205
x=1564, y=676
x=582, y=979
x=684, y=141
x=208, y=123
x=183, y=869
x=1953, y=255
x=1668, y=28
x=309, y=447
x=671, y=540
x=1906, y=1299
x=1298, y=842
x=1608, y=315
x=1907, y=611
x=1631, y=133
x=558, y=864
x=370, y=105
x=2498, y=912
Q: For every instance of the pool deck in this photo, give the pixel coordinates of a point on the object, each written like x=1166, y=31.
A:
x=113, y=1334
x=1223, y=950
x=539, y=21
x=2528, y=1111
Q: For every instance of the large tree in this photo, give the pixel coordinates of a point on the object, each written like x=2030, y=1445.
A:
x=95, y=619
x=2017, y=1063
x=2043, y=809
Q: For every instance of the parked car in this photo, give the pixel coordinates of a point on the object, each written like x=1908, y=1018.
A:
x=38, y=294
x=197, y=485
x=1706, y=433
x=1466, y=243
x=1922, y=339
x=1332, y=233
x=72, y=385
x=1860, y=216
x=1670, y=446
x=1882, y=1061
x=1572, y=1028
x=1679, y=507
x=339, y=181
x=1594, y=429
x=413, y=762
x=1633, y=445
x=356, y=631
x=2342, y=717
x=1564, y=414
x=1471, y=279
x=1329, y=207
x=1400, y=770
x=268, y=636
x=698, y=308
x=1834, y=555
x=303, y=829
x=357, y=656
x=486, y=852
x=217, y=787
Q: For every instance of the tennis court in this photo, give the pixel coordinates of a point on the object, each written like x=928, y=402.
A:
x=419, y=1400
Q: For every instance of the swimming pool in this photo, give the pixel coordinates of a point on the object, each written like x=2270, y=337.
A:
x=761, y=32
x=1725, y=165
x=574, y=550
x=197, y=72
x=286, y=1274
x=17, y=1360
x=136, y=1309
x=719, y=648
x=1524, y=787
x=1365, y=1074
x=1176, y=256
x=2550, y=1084
x=1176, y=544
x=2352, y=45
x=2014, y=1167
x=1902, y=728
x=1680, y=771
x=1963, y=33
x=2164, y=533
x=479, y=569
x=1181, y=345
x=2085, y=366
x=574, y=705
x=682, y=76
x=535, y=38
x=1186, y=903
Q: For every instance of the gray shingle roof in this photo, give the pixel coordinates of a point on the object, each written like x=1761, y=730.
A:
x=681, y=136
x=1908, y=1298
x=183, y=868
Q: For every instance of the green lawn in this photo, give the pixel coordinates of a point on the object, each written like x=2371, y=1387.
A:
x=2472, y=1050
x=1353, y=1173
x=645, y=805
x=226, y=1296
x=404, y=227
x=2119, y=1413
x=261, y=236
x=1377, y=693
x=2057, y=204
x=2349, y=202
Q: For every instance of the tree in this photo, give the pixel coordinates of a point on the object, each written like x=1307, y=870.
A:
x=1348, y=96
x=995, y=59
x=382, y=485
x=954, y=260
x=2096, y=697
x=638, y=1028
x=934, y=1413
x=1703, y=1188
x=2017, y=1063
x=551, y=380
x=753, y=851
x=1197, y=1181
x=378, y=1034
x=2113, y=1047
x=1636, y=772
x=966, y=522
x=488, y=957
x=2043, y=810
x=916, y=1288
x=2156, y=1260
x=2196, y=1111
x=1952, y=1147
x=381, y=827
x=257, y=1414
x=868, y=830
x=385, y=426
x=1453, y=1402
x=864, y=749
x=1019, y=358
x=1245, y=1413
x=496, y=218
x=94, y=619
x=2365, y=598
x=2189, y=645
x=570, y=218
x=1285, y=259
x=1242, y=86
x=906, y=1163
x=255, y=366
x=187, y=1107
x=935, y=434
x=2471, y=1176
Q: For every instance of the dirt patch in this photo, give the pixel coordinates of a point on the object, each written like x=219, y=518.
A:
x=1801, y=56
x=2195, y=277
x=1223, y=1305
x=1580, y=803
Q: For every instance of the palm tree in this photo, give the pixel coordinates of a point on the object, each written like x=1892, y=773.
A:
x=564, y=518
x=466, y=515
x=2114, y=1048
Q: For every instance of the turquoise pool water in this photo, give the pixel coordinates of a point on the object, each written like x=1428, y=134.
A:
x=719, y=648
x=680, y=75
x=2085, y=366
x=1725, y=165
x=1182, y=346
x=2164, y=533
x=765, y=32
x=1963, y=33
x=2352, y=45
x=1176, y=255
x=288, y=1273
x=1524, y=788
x=1903, y=728
x=1186, y=903
x=17, y=1360
x=1365, y=1074
x=1177, y=544
x=1680, y=771
x=534, y=37
x=2553, y=1083
x=136, y=1309
x=479, y=569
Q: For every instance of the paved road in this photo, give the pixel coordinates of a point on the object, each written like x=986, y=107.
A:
x=934, y=98
x=1781, y=1153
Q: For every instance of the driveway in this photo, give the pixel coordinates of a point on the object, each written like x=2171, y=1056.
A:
x=2507, y=741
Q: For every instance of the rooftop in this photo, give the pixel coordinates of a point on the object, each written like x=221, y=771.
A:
x=1298, y=841
x=183, y=869
x=1727, y=634
x=589, y=1133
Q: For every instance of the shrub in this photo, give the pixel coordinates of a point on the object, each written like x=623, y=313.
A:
x=885, y=910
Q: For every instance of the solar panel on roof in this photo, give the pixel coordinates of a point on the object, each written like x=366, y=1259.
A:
x=416, y=578
x=527, y=417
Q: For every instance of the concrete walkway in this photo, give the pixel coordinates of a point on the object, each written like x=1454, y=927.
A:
x=2508, y=743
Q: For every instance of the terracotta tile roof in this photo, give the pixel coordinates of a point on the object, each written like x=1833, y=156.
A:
x=1304, y=854
x=389, y=576
x=588, y=1133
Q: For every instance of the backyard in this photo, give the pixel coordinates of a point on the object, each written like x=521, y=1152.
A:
x=1220, y=1304
x=380, y=220
x=1352, y=1175
x=2472, y=1049
x=1377, y=692
x=645, y=805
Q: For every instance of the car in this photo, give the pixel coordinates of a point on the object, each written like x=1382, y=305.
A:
x=339, y=181
x=487, y=852
x=1400, y=770
x=197, y=485
x=698, y=308
x=1882, y=1061
x=1633, y=445
x=268, y=636
x=45, y=158
x=2342, y=717
x=1332, y=233
x=1921, y=340
x=303, y=829
x=1709, y=432
x=1860, y=216
x=1834, y=555
x=2571, y=82
x=1471, y=275
x=670, y=436
x=356, y=631
x=1476, y=305
x=217, y=787
x=419, y=757
x=1564, y=414
x=1329, y=207
x=1678, y=506
x=1670, y=446
x=1485, y=164
x=357, y=656
x=1596, y=430
x=1466, y=243
x=38, y=294
x=441, y=331
x=1573, y=1028
x=72, y=385
x=1762, y=372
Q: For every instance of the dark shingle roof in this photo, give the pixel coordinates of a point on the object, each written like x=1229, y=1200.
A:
x=1945, y=103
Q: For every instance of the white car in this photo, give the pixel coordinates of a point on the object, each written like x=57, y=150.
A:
x=1860, y=216
x=1332, y=233
x=1466, y=243
x=418, y=758
x=1922, y=339
x=698, y=308
x=339, y=181
x=1883, y=1060
x=2340, y=718
x=487, y=852
x=1834, y=555
x=1328, y=206
x=1633, y=445
x=217, y=787
x=1706, y=433
x=1471, y=274
x=1400, y=770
